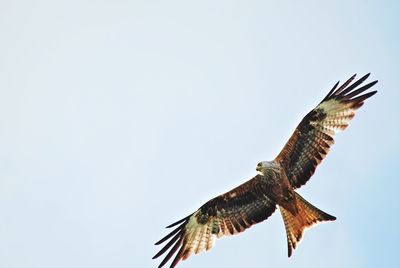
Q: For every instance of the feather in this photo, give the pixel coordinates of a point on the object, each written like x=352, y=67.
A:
x=302, y=153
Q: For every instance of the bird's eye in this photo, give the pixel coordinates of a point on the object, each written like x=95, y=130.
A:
x=259, y=164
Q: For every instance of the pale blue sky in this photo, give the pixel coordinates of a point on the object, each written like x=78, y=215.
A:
x=118, y=118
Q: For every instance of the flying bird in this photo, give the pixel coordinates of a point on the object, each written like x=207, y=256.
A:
x=275, y=183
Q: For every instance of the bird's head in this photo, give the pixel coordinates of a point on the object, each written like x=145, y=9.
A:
x=262, y=166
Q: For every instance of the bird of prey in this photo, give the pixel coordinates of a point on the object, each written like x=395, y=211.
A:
x=275, y=183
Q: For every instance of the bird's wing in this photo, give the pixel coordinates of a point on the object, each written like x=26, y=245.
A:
x=227, y=214
x=311, y=140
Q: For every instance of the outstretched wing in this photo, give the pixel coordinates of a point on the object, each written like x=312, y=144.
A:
x=311, y=140
x=227, y=214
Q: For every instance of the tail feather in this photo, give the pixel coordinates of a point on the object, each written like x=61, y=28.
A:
x=307, y=215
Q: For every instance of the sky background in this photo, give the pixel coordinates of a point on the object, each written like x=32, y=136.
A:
x=118, y=118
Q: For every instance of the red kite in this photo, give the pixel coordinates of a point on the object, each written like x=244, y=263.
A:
x=274, y=185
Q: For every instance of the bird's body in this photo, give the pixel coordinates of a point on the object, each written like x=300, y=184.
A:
x=276, y=181
x=274, y=185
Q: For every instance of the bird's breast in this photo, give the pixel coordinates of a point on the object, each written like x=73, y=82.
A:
x=280, y=189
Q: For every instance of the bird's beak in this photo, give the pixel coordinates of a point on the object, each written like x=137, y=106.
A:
x=258, y=168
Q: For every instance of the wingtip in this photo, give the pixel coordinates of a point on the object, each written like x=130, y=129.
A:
x=178, y=222
x=159, y=242
x=374, y=82
x=372, y=93
x=365, y=76
x=333, y=89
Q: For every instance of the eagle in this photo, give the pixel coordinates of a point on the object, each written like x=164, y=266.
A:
x=275, y=183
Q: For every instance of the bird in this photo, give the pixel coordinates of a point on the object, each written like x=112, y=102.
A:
x=274, y=184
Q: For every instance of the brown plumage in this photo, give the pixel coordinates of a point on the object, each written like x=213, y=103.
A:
x=255, y=200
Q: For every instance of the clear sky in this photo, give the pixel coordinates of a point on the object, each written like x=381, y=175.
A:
x=118, y=118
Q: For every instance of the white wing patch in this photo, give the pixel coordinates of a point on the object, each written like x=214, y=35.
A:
x=337, y=118
x=199, y=236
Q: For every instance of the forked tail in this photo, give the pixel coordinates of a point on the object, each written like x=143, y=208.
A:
x=307, y=215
